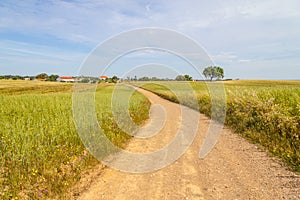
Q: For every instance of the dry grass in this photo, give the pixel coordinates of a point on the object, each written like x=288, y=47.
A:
x=11, y=87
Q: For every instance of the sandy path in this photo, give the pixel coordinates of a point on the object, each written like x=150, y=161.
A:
x=235, y=169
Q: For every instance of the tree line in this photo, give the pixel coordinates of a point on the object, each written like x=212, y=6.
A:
x=42, y=76
x=211, y=72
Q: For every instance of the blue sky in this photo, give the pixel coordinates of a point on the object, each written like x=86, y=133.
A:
x=249, y=39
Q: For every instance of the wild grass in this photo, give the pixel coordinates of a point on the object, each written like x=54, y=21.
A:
x=265, y=112
x=41, y=153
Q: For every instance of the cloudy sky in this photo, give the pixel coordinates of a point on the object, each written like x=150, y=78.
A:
x=250, y=39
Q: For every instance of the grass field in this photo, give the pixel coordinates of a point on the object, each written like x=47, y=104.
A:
x=265, y=112
x=10, y=87
x=41, y=153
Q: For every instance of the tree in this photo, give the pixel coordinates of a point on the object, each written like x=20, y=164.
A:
x=154, y=78
x=183, y=78
x=16, y=77
x=212, y=72
x=85, y=80
x=114, y=79
x=180, y=78
x=53, y=77
x=145, y=78
x=42, y=76
x=188, y=78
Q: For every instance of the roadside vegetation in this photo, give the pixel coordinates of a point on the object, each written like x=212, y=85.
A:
x=41, y=154
x=265, y=112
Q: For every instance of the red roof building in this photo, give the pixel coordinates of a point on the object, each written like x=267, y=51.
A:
x=103, y=77
x=65, y=79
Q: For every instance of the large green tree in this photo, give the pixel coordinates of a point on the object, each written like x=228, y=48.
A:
x=212, y=72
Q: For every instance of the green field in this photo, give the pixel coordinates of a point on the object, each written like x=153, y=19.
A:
x=41, y=153
x=265, y=112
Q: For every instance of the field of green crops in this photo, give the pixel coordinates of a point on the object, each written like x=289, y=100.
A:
x=41, y=153
x=265, y=112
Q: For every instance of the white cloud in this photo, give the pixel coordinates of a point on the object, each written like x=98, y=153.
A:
x=236, y=31
x=244, y=60
x=271, y=9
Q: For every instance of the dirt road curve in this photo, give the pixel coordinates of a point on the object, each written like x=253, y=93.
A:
x=234, y=169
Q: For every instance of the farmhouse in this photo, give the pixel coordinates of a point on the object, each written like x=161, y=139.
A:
x=65, y=79
x=103, y=77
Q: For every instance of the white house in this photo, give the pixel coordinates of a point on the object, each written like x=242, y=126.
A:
x=65, y=79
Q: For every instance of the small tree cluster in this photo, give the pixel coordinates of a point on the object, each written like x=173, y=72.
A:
x=113, y=79
x=44, y=76
x=183, y=78
x=16, y=77
x=154, y=78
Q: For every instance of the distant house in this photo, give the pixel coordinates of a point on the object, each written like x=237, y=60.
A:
x=65, y=79
x=27, y=79
x=103, y=77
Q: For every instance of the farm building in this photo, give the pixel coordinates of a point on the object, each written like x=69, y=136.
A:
x=65, y=79
x=103, y=77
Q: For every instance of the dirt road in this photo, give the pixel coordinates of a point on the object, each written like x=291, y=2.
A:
x=235, y=169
